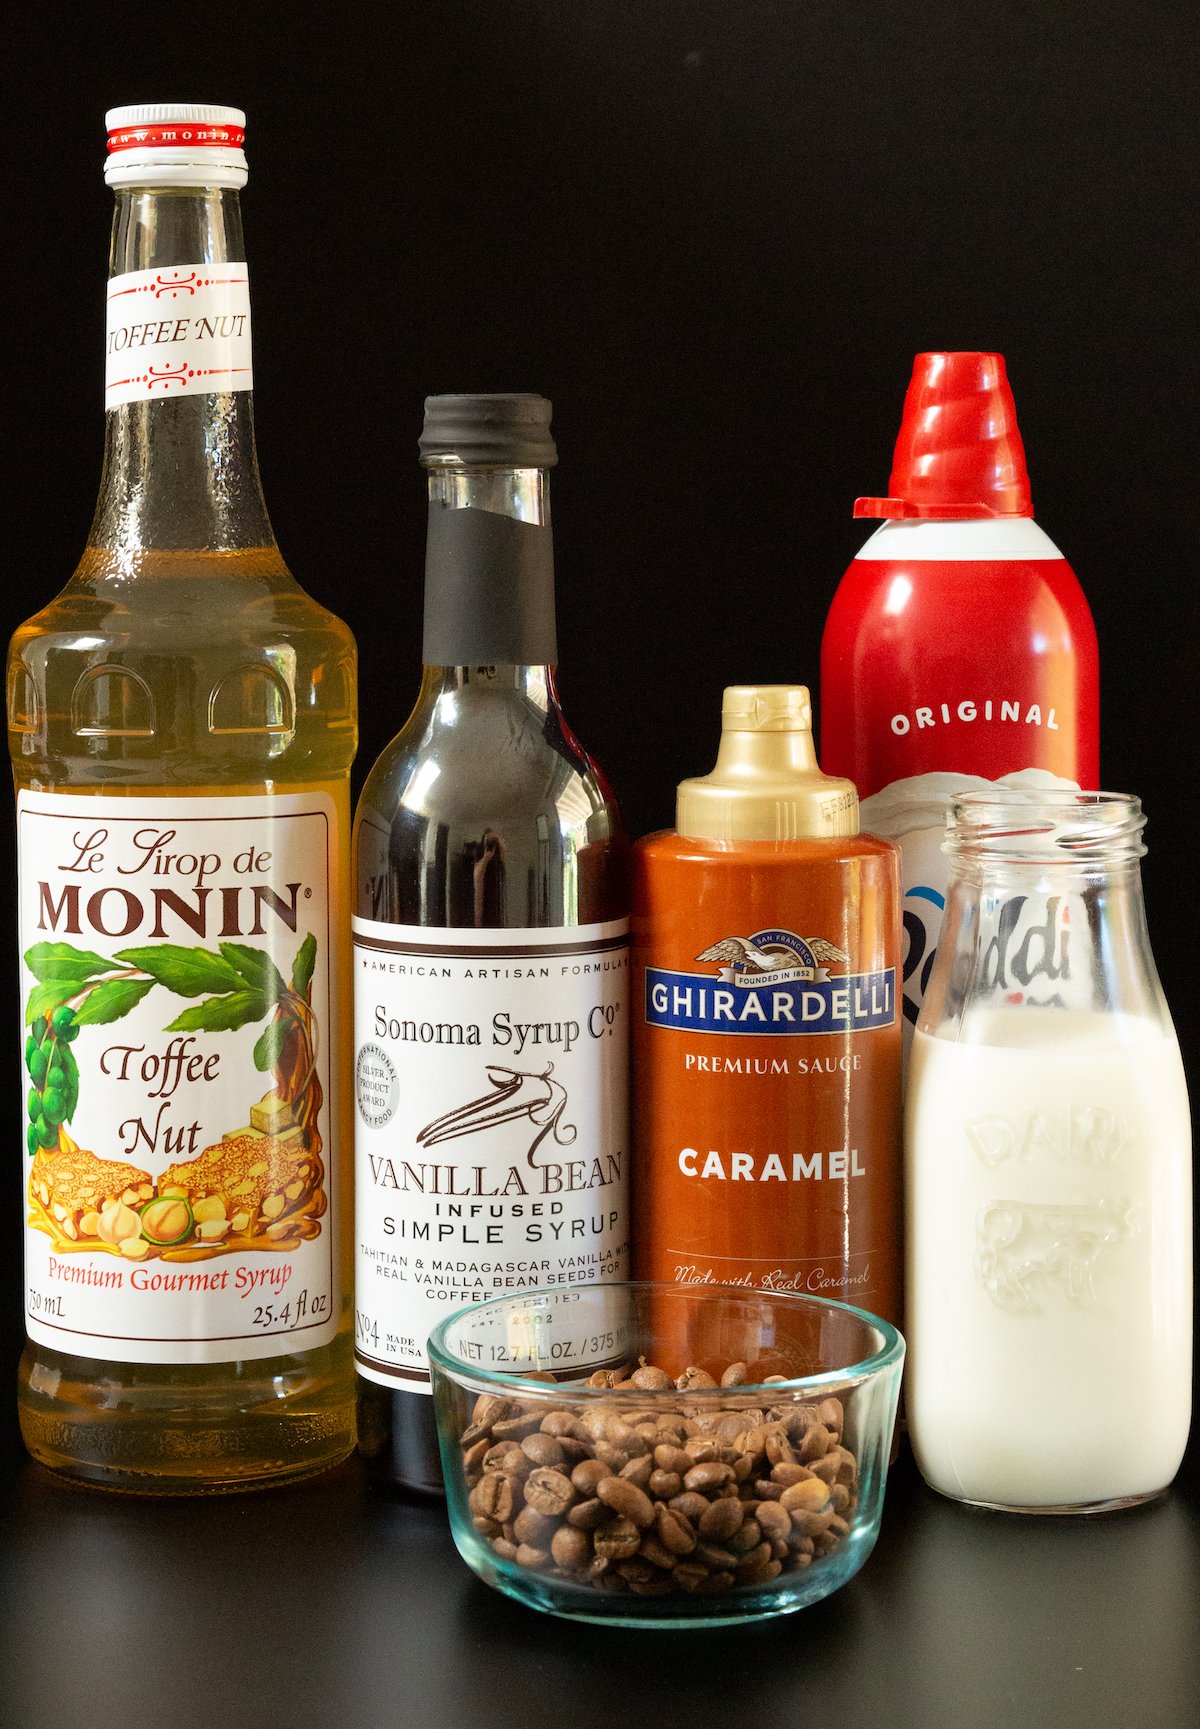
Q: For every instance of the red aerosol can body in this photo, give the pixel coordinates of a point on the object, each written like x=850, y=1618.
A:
x=959, y=649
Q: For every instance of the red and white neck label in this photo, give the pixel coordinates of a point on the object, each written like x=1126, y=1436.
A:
x=178, y=135
x=177, y=331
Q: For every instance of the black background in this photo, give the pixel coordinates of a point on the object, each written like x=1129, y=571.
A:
x=714, y=232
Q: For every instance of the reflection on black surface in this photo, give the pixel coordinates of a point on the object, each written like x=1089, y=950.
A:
x=335, y=1605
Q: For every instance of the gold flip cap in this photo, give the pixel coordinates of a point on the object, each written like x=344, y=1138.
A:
x=767, y=784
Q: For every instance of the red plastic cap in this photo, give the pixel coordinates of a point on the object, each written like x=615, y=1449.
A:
x=959, y=453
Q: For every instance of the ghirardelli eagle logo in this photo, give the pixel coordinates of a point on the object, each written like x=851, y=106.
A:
x=774, y=957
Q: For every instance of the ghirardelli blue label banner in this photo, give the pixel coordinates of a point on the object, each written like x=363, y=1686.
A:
x=697, y=1004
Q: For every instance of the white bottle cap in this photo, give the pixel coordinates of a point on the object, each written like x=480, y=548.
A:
x=175, y=144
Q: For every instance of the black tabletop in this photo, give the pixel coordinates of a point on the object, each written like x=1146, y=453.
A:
x=335, y=1604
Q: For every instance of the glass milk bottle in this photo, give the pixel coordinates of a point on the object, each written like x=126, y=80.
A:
x=1048, y=1157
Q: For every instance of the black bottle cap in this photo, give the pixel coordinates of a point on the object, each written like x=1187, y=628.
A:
x=509, y=431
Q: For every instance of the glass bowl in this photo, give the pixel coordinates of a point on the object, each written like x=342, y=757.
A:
x=596, y=1467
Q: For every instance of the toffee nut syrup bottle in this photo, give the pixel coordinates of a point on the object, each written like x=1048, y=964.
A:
x=491, y=939
x=181, y=723
x=767, y=1026
x=959, y=651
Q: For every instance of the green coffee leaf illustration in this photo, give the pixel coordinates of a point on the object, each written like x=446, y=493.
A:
x=70, y=1088
x=302, y=967
x=187, y=972
x=256, y=967
x=49, y=995
x=270, y=1045
x=48, y=961
x=110, y=1000
x=238, y=985
x=221, y=1014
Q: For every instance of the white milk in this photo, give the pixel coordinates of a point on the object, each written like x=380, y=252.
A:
x=1048, y=1264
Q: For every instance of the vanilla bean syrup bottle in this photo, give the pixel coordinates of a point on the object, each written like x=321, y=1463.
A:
x=181, y=723
x=490, y=948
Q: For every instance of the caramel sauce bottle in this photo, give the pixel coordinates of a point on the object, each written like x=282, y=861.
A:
x=766, y=940
x=181, y=725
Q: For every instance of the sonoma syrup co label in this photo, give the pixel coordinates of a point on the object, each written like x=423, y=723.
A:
x=179, y=331
x=177, y=1005
x=491, y=1075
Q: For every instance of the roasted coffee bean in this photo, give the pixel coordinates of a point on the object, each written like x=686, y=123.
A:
x=664, y=1484
x=690, y=1575
x=508, y=1459
x=674, y=1531
x=530, y=1526
x=701, y=1450
x=721, y=1519
x=587, y=1515
x=735, y=1375
x=715, y=1584
x=731, y=1428
x=743, y=1468
x=489, y=1408
x=650, y=1377
x=833, y=1415
x=656, y=1552
x=504, y=1548
x=658, y=1585
x=617, y=1540
x=571, y=1549
x=488, y=1528
x=815, y=1444
x=618, y=1433
x=778, y=1448
x=789, y=1471
x=767, y=1490
x=757, y=1553
x=559, y=1423
x=638, y=1470
x=671, y=1458
x=839, y=1495
x=745, y=1538
x=808, y=1497
x=549, y=1492
x=690, y=1504
x=542, y=1449
x=473, y=1460
x=713, y=1555
x=705, y=1477
x=528, y=1555
x=758, y=1572
x=616, y=1458
x=587, y=1474
x=493, y=1497
x=626, y=1499
x=692, y=1378
x=516, y=1428
x=774, y=1520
